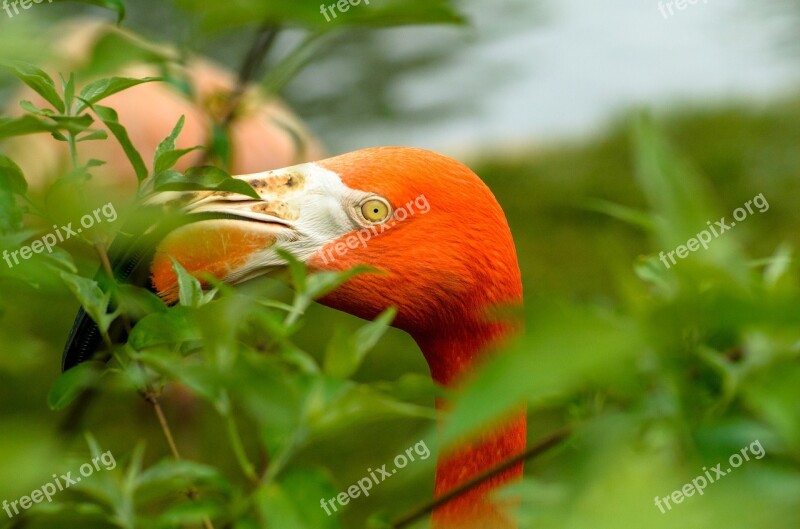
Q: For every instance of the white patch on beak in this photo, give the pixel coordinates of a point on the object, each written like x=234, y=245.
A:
x=303, y=208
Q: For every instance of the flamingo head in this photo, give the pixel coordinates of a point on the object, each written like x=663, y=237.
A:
x=430, y=228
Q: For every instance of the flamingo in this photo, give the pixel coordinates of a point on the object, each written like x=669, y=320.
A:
x=447, y=261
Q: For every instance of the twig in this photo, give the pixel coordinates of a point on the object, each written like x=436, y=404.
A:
x=537, y=449
x=262, y=44
x=152, y=398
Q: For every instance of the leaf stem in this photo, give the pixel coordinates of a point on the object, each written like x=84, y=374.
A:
x=152, y=397
x=238, y=448
x=73, y=149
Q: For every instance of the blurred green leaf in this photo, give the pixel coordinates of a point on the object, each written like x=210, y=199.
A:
x=168, y=476
x=600, y=350
x=92, y=298
x=294, y=501
x=116, y=6
x=11, y=177
x=175, y=326
x=136, y=303
x=308, y=13
x=346, y=351
x=72, y=383
x=98, y=90
x=680, y=200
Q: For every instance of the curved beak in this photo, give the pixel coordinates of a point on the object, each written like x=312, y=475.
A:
x=300, y=210
x=229, y=236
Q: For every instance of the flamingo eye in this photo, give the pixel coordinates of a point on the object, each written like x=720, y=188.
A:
x=376, y=210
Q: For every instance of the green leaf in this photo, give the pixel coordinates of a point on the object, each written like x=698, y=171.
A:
x=323, y=283
x=103, y=88
x=297, y=270
x=73, y=124
x=173, y=327
x=529, y=370
x=168, y=159
x=137, y=302
x=622, y=213
x=307, y=14
x=10, y=213
x=310, y=288
x=116, y=6
x=92, y=298
x=334, y=406
x=285, y=504
x=110, y=118
x=206, y=178
x=191, y=514
x=191, y=292
x=68, y=88
x=72, y=383
x=38, y=80
x=202, y=379
x=27, y=106
x=93, y=135
x=347, y=351
x=779, y=267
x=25, y=125
x=112, y=51
x=11, y=176
x=681, y=202
x=167, y=476
x=61, y=260
x=165, y=149
x=31, y=125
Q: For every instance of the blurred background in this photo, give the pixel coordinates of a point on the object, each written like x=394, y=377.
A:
x=604, y=130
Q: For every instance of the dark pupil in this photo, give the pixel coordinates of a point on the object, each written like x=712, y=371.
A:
x=375, y=210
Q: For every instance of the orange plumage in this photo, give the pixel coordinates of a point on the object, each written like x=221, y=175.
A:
x=445, y=267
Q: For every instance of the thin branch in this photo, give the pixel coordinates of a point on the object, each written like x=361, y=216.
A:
x=535, y=450
x=152, y=398
x=262, y=44
x=259, y=49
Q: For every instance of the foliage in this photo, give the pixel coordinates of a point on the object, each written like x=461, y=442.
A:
x=660, y=371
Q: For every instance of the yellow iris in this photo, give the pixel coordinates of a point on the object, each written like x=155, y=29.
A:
x=375, y=210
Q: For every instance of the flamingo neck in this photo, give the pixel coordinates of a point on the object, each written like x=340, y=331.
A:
x=451, y=357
